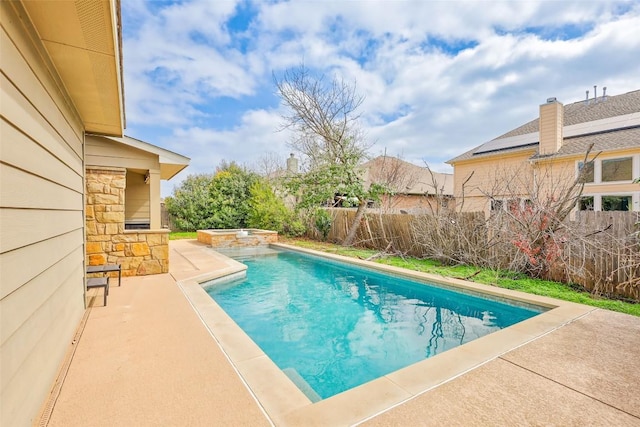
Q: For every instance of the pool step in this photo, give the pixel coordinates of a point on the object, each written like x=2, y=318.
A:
x=302, y=384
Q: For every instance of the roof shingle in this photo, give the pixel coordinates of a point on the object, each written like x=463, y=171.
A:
x=576, y=113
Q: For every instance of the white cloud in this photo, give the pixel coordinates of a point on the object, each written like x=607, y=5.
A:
x=425, y=98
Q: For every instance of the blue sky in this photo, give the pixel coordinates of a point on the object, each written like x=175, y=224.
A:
x=439, y=77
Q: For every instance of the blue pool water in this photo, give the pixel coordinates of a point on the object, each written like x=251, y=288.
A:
x=332, y=326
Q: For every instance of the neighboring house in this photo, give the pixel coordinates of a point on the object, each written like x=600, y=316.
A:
x=545, y=155
x=61, y=79
x=123, y=213
x=414, y=189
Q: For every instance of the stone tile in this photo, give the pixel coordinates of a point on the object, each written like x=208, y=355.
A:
x=432, y=372
x=275, y=391
x=350, y=407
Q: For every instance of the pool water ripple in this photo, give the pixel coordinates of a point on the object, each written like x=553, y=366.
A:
x=332, y=326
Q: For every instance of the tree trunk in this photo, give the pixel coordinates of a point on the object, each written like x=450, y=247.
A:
x=351, y=235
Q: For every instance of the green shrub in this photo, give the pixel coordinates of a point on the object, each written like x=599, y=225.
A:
x=295, y=227
x=230, y=195
x=190, y=205
x=266, y=210
x=323, y=222
x=217, y=200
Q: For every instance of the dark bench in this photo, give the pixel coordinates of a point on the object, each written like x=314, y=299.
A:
x=99, y=282
x=105, y=269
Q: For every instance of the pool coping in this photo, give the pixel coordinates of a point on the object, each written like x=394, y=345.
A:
x=284, y=404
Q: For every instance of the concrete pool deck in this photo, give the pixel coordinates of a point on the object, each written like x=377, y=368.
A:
x=149, y=358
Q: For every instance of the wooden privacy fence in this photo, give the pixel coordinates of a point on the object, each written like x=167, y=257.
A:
x=601, y=251
x=376, y=231
x=605, y=258
x=165, y=219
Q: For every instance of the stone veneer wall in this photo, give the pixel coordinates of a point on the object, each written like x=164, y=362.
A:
x=228, y=238
x=139, y=252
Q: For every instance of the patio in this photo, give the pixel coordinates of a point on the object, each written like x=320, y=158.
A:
x=148, y=359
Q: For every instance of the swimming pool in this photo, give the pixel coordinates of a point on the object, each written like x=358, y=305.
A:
x=332, y=326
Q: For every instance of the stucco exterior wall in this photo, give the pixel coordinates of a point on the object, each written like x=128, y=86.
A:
x=139, y=252
x=41, y=221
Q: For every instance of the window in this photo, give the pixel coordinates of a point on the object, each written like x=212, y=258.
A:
x=616, y=203
x=586, y=171
x=513, y=205
x=496, y=205
x=586, y=203
x=616, y=169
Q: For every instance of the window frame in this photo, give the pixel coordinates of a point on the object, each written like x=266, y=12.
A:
x=628, y=195
x=611, y=159
x=582, y=164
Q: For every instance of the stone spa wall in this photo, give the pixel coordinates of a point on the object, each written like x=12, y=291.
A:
x=232, y=239
x=139, y=252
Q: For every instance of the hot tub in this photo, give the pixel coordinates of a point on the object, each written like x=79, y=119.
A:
x=237, y=238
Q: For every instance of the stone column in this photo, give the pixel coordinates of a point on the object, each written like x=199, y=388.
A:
x=104, y=211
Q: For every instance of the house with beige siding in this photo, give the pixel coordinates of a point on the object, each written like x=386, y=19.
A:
x=123, y=219
x=61, y=81
x=412, y=188
x=598, y=135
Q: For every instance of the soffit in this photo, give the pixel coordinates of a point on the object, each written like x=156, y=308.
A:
x=82, y=40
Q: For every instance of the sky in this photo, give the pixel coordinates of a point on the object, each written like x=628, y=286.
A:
x=438, y=77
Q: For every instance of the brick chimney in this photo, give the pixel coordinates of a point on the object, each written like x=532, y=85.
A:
x=551, y=123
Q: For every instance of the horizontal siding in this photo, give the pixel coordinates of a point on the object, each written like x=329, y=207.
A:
x=39, y=348
x=41, y=220
x=23, y=227
x=24, y=190
x=23, y=116
x=35, y=292
x=101, y=152
x=136, y=203
x=98, y=146
x=25, y=154
x=22, y=64
x=22, y=265
x=121, y=162
x=36, y=322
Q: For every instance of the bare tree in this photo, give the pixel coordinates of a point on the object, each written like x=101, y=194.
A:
x=324, y=117
x=270, y=165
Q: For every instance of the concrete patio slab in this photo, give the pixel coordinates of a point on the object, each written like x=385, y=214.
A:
x=151, y=357
x=597, y=355
x=502, y=394
x=146, y=359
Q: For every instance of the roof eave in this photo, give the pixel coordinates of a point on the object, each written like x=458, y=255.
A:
x=90, y=71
